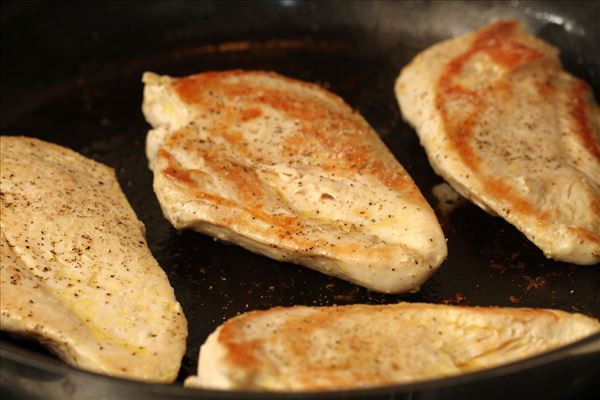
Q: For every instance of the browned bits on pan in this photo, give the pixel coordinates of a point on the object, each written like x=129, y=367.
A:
x=514, y=299
x=535, y=283
x=458, y=298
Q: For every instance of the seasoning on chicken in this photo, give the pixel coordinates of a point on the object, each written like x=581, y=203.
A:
x=357, y=346
x=76, y=273
x=509, y=129
x=286, y=169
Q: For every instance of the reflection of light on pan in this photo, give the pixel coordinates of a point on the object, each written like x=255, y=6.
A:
x=239, y=46
x=568, y=24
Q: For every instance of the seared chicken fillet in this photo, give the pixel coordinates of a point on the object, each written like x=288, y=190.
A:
x=76, y=273
x=327, y=348
x=509, y=129
x=288, y=170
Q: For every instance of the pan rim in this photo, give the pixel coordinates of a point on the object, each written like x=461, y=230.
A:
x=589, y=345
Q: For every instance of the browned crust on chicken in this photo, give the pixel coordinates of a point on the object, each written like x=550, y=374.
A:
x=469, y=87
x=288, y=170
x=327, y=348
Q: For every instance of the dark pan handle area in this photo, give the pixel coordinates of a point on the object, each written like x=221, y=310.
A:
x=45, y=44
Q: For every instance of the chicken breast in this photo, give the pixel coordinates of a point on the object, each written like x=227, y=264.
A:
x=76, y=273
x=288, y=170
x=509, y=129
x=327, y=348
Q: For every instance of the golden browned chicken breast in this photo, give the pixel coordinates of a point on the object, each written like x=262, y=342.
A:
x=509, y=129
x=76, y=273
x=288, y=170
x=327, y=348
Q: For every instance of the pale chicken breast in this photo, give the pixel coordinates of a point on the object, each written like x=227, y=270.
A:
x=509, y=129
x=288, y=170
x=328, y=348
x=76, y=273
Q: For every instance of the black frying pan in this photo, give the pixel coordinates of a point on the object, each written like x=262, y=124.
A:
x=71, y=75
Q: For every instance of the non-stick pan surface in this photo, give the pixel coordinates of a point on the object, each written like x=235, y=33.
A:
x=71, y=75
